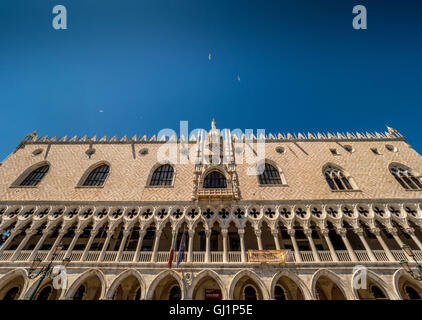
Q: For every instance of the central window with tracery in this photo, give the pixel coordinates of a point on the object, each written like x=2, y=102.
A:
x=215, y=179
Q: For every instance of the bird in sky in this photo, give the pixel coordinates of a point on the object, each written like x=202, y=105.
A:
x=209, y=57
x=238, y=78
x=101, y=111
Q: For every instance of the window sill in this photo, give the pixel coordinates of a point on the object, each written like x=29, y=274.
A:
x=89, y=187
x=418, y=190
x=24, y=187
x=154, y=187
x=346, y=190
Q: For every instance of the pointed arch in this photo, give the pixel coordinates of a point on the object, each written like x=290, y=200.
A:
x=12, y=275
x=96, y=175
x=337, y=178
x=80, y=280
x=33, y=175
x=121, y=277
x=334, y=278
x=271, y=174
x=386, y=288
x=162, y=275
x=203, y=275
x=253, y=276
x=398, y=276
x=405, y=176
x=292, y=276
x=161, y=174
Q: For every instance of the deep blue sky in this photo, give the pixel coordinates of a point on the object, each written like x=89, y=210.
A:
x=302, y=67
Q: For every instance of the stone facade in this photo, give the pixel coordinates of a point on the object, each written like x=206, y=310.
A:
x=118, y=234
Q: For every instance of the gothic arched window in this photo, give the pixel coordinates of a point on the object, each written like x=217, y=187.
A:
x=35, y=176
x=45, y=293
x=377, y=293
x=97, y=176
x=270, y=175
x=175, y=293
x=215, y=179
x=79, y=293
x=250, y=293
x=11, y=294
x=336, y=179
x=279, y=293
x=162, y=176
x=406, y=178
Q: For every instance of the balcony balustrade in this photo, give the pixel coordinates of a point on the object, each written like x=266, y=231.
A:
x=198, y=257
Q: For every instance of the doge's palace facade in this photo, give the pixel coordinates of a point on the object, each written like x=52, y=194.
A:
x=335, y=201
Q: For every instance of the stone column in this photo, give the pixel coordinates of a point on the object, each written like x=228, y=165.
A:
x=292, y=234
x=34, y=252
x=92, y=235
x=207, y=245
x=342, y=232
x=258, y=239
x=393, y=232
x=122, y=244
x=139, y=245
x=72, y=244
x=29, y=233
x=368, y=249
x=325, y=233
x=110, y=233
x=155, y=248
x=190, y=245
x=411, y=233
x=241, y=233
x=387, y=251
x=276, y=240
x=224, y=233
x=62, y=232
x=308, y=233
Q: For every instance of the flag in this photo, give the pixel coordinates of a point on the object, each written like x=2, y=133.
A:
x=173, y=247
x=181, y=252
x=5, y=235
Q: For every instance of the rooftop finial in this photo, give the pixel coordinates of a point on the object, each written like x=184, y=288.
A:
x=213, y=124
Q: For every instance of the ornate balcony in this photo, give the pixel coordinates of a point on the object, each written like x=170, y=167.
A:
x=199, y=257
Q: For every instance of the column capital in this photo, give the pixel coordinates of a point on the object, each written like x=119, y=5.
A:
x=274, y=232
x=224, y=232
x=126, y=232
x=78, y=231
x=191, y=232
x=308, y=232
x=207, y=233
x=291, y=232
x=325, y=232
x=341, y=231
x=375, y=231
x=30, y=232
x=258, y=233
x=241, y=232
x=358, y=231
x=410, y=231
x=110, y=232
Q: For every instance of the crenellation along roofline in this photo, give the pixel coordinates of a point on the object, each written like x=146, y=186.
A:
x=92, y=142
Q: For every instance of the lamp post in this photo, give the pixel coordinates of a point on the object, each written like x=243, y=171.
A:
x=45, y=271
x=405, y=264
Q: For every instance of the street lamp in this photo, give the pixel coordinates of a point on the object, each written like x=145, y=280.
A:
x=45, y=271
x=405, y=264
